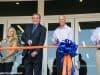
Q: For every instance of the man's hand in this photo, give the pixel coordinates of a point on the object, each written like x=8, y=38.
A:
x=29, y=42
x=34, y=53
x=2, y=60
x=98, y=42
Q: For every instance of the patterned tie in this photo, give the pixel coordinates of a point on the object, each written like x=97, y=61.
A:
x=34, y=27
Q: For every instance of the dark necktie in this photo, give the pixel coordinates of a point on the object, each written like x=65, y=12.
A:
x=34, y=27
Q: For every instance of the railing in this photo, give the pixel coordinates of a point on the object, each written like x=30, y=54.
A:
x=33, y=47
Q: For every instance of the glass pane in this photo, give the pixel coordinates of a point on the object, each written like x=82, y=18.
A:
x=58, y=7
x=88, y=55
x=52, y=51
x=19, y=28
x=1, y=31
x=25, y=8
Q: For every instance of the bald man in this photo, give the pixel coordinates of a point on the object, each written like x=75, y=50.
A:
x=61, y=33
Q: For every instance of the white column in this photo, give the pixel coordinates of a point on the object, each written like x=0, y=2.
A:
x=41, y=7
x=41, y=12
x=76, y=40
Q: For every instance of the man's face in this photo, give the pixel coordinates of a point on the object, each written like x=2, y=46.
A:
x=36, y=19
x=62, y=20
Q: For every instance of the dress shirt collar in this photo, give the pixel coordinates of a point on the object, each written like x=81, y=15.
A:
x=65, y=26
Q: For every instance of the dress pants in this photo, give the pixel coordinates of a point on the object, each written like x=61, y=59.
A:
x=32, y=64
x=58, y=62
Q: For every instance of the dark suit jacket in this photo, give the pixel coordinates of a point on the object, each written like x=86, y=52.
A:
x=37, y=37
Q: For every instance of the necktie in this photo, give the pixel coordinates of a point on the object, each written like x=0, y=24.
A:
x=34, y=27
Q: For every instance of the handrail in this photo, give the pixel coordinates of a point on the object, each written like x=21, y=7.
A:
x=34, y=47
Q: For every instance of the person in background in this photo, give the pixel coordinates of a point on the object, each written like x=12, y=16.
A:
x=34, y=35
x=7, y=59
x=18, y=59
x=83, y=66
x=54, y=68
x=61, y=33
x=95, y=38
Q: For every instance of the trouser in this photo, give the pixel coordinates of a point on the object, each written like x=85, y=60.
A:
x=64, y=64
x=59, y=67
x=98, y=61
x=30, y=65
x=5, y=68
x=17, y=62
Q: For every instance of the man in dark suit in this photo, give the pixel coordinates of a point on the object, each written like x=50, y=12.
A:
x=34, y=35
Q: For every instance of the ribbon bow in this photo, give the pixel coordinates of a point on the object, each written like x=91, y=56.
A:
x=66, y=47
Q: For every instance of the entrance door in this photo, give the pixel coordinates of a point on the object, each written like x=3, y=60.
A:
x=84, y=28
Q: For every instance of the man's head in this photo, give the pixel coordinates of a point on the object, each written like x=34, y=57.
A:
x=36, y=18
x=62, y=20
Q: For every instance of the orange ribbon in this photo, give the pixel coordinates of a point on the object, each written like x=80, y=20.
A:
x=67, y=65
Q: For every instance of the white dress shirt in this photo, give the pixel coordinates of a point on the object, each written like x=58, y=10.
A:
x=96, y=35
x=62, y=33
